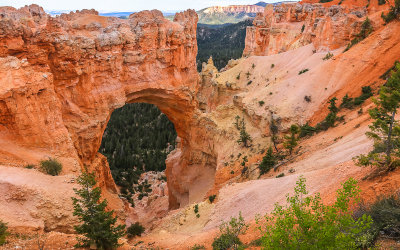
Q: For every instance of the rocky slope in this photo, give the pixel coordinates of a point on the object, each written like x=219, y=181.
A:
x=62, y=77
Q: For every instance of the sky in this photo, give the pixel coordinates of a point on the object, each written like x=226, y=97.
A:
x=126, y=5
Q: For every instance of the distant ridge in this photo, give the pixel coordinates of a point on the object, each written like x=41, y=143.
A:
x=262, y=4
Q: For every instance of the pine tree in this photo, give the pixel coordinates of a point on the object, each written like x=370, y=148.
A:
x=291, y=140
x=385, y=129
x=273, y=127
x=98, y=225
x=268, y=162
x=245, y=137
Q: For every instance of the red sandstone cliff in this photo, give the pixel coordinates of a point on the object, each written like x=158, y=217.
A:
x=290, y=26
x=61, y=77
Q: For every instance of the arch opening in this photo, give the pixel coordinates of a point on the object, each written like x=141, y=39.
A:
x=137, y=140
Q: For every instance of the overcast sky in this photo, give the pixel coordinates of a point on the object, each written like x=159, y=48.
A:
x=125, y=5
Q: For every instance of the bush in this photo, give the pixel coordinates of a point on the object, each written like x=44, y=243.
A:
x=303, y=71
x=327, y=56
x=307, y=98
x=302, y=28
x=280, y=175
x=268, y=162
x=51, y=166
x=229, y=234
x=3, y=232
x=272, y=66
x=261, y=103
x=30, y=166
x=306, y=130
x=135, y=229
x=211, y=198
x=385, y=213
x=306, y=223
x=198, y=247
x=347, y=102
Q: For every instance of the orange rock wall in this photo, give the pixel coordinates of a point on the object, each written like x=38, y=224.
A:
x=61, y=78
x=280, y=28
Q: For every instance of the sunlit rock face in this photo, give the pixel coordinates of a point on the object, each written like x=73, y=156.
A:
x=61, y=78
x=290, y=26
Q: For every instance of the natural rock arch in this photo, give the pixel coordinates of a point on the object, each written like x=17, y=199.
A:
x=61, y=78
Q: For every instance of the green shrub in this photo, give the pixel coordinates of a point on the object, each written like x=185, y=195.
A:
x=303, y=71
x=3, y=232
x=393, y=13
x=328, y=56
x=302, y=28
x=272, y=66
x=238, y=77
x=229, y=234
x=250, y=82
x=51, y=166
x=347, y=102
x=268, y=162
x=307, y=98
x=306, y=223
x=381, y=2
x=134, y=230
x=30, y=166
x=198, y=247
x=385, y=213
x=196, y=208
x=261, y=103
x=306, y=130
x=211, y=198
x=280, y=175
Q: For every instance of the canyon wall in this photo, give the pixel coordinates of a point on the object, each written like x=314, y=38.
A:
x=61, y=78
x=290, y=26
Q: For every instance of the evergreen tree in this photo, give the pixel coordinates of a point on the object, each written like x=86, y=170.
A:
x=98, y=226
x=268, y=162
x=291, y=140
x=385, y=129
x=245, y=137
x=274, y=131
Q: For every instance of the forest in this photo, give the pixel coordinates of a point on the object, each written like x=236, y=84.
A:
x=137, y=139
x=222, y=42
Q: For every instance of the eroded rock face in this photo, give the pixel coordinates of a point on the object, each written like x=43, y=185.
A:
x=61, y=78
x=290, y=26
